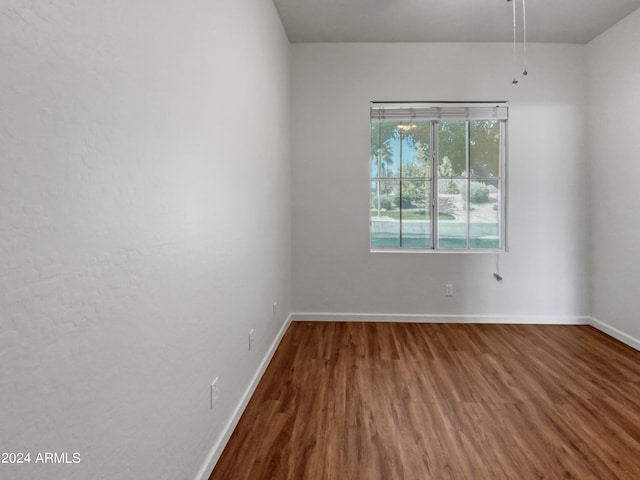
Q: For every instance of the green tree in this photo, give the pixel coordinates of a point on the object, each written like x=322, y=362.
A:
x=484, y=148
x=381, y=135
x=445, y=170
x=483, y=143
x=452, y=145
x=415, y=193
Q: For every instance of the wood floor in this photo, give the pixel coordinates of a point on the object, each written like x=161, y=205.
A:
x=380, y=401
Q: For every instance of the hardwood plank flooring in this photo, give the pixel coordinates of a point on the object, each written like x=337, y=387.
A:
x=398, y=401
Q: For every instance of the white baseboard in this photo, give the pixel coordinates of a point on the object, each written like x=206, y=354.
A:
x=615, y=333
x=221, y=442
x=438, y=318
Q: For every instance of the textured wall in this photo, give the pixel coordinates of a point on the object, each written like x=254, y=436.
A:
x=614, y=101
x=545, y=271
x=144, y=226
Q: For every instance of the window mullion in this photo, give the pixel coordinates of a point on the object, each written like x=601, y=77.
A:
x=400, y=188
x=503, y=185
x=434, y=184
x=379, y=158
x=468, y=186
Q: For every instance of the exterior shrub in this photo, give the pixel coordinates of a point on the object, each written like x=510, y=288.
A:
x=386, y=202
x=479, y=192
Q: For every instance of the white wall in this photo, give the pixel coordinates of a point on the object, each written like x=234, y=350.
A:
x=614, y=103
x=545, y=271
x=144, y=226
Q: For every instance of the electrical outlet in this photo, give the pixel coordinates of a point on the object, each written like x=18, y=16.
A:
x=252, y=339
x=214, y=392
x=448, y=290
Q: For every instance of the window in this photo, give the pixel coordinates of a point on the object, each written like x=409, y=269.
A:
x=438, y=176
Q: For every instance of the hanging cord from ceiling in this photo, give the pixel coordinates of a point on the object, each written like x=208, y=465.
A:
x=524, y=37
x=515, y=41
x=525, y=72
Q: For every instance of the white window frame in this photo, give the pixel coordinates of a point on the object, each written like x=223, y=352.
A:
x=434, y=112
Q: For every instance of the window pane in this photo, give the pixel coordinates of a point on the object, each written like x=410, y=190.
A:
x=375, y=149
x=405, y=143
x=452, y=214
x=484, y=148
x=452, y=145
x=416, y=156
x=484, y=227
x=385, y=213
x=415, y=205
x=385, y=149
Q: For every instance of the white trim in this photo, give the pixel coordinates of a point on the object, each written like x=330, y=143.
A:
x=221, y=442
x=466, y=251
x=615, y=333
x=441, y=318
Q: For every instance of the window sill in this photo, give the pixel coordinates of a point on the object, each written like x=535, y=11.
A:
x=440, y=250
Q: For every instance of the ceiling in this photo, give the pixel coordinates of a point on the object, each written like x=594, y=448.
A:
x=557, y=21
